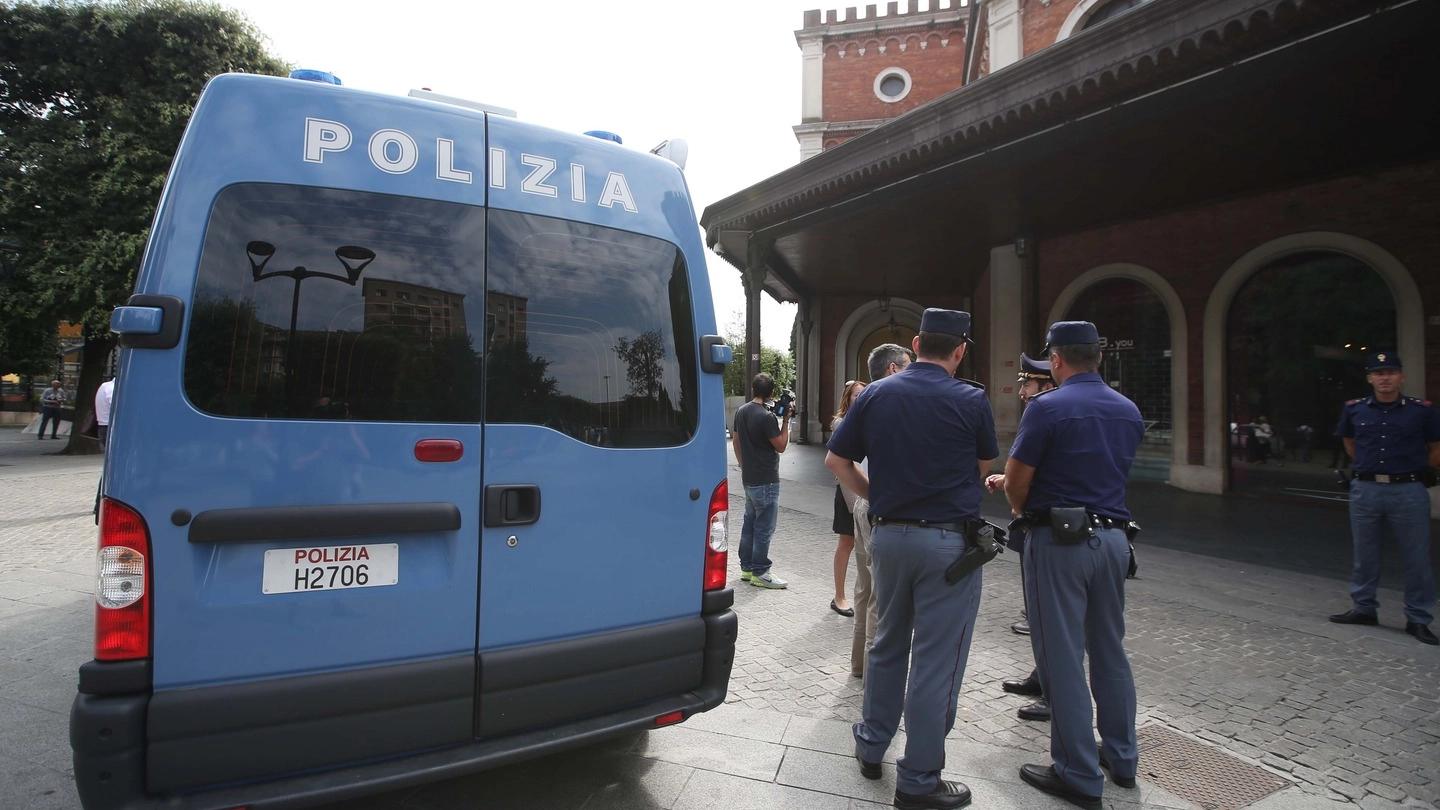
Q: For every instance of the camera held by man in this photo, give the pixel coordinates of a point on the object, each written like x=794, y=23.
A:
x=783, y=405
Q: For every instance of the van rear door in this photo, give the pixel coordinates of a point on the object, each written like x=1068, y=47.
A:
x=595, y=490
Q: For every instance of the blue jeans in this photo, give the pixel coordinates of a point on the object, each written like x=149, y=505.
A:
x=1403, y=512
x=762, y=509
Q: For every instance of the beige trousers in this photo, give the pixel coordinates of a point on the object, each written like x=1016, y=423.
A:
x=867, y=615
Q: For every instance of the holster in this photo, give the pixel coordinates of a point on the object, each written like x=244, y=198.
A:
x=1428, y=477
x=1071, y=525
x=983, y=540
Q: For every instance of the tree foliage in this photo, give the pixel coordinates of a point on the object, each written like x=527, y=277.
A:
x=779, y=364
x=94, y=97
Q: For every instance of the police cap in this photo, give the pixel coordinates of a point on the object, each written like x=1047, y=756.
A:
x=946, y=322
x=1071, y=333
x=1378, y=360
x=1034, y=369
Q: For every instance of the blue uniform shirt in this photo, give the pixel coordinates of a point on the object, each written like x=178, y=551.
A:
x=1390, y=437
x=1081, y=439
x=923, y=432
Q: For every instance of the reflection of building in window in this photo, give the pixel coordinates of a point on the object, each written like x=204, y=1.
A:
x=431, y=312
x=505, y=317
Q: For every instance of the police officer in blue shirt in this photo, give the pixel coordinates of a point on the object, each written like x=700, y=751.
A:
x=1067, y=474
x=930, y=439
x=1395, y=441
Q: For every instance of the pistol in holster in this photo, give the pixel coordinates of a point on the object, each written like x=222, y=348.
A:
x=983, y=541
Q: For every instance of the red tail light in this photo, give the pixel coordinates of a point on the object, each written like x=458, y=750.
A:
x=122, y=587
x=717, y=541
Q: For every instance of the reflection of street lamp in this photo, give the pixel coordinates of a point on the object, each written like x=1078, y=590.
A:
x=353, y=258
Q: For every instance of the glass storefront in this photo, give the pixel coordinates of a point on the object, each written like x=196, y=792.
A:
x=1297, y=336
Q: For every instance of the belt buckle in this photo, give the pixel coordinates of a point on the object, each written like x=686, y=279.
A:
x=1382, y=479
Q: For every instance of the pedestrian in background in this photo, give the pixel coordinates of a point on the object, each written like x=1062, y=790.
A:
x=844, y=522
x=1034, y=379
x=1395, y=441
x=884, y=360
x=930, y=439
x=51, y=401
x=104, y=398
x=1067, y=475
x=758, y=441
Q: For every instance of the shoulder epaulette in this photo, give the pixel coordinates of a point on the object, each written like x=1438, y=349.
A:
x=973, y=383
x=1355, y=401
x=1039, y=394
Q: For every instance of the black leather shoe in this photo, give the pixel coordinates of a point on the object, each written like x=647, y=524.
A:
x=946, y=795
x=1355, y=617
x=1422, y=632
x=1039, y=710
x=1044, y=778
x=1122, y=781
x=1029, y=686
x=868, y=769
x=1022, y=628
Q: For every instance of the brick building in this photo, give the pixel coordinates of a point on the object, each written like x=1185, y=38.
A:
x=1242, y=194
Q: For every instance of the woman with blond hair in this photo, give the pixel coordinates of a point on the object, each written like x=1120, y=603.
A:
x=844, y=523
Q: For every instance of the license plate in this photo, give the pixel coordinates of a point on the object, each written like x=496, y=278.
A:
x=330, y=568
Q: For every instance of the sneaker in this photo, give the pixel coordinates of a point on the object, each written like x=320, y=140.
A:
x=768, y=580
x=745, y=576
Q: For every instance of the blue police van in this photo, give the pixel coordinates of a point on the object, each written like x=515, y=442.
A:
x=417, y=460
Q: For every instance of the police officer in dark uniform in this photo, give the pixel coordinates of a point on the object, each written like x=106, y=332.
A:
x=929, y=439
x=1034, y=379
x=1395, y=441
x=1067, y=474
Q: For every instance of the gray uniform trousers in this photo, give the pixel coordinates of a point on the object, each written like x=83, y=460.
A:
x=908, y=566
x=1077, y=604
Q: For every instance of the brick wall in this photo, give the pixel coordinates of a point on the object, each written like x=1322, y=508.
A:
x=1040, y=25
x=934, y=58
x=1395, y=209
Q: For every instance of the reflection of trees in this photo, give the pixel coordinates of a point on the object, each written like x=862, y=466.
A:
x=1288, y=332
x=644, y=359
x=517, y=388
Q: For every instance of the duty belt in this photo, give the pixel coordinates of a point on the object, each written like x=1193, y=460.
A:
x=950, y=526
x=1382, y=478
x=1041, y=517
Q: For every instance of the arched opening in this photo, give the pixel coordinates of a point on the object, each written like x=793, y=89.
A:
x=892, y=332
x=1296, y=337
x=1135, y=336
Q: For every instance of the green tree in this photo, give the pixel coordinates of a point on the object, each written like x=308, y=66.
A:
x=779, y=364
x=94, y=97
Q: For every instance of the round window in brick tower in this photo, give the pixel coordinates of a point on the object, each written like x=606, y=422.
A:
x=892, y=84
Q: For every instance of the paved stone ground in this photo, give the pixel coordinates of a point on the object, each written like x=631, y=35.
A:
x=1232, y=653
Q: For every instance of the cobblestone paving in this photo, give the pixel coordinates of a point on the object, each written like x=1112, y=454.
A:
x=1348, y=721
x=1239, y=658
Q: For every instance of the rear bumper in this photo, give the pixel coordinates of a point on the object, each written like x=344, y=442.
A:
x=109, y=738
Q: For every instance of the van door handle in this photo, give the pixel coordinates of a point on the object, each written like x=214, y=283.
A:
x=512, y=504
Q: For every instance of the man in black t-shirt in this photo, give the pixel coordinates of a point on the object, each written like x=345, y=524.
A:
x=758, y=443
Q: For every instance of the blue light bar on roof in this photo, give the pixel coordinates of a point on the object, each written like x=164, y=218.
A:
x=315, y=76
x=604, y=136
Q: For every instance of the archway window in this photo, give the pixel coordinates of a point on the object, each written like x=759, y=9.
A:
x=1135, y=337
x=890, y=333
x=1111, y=10
x=1296, y=338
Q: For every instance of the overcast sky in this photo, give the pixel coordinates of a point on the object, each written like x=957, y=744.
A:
x=723, y=75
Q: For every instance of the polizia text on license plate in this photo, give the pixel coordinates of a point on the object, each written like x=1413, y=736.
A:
x=328, y=568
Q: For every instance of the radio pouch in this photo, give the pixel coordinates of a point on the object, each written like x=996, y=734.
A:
x=1071, y=525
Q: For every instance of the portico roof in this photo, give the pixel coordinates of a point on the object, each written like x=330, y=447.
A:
x=1175, y=104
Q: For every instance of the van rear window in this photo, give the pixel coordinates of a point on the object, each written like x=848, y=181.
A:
x=319, y=303
x=589, y=332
